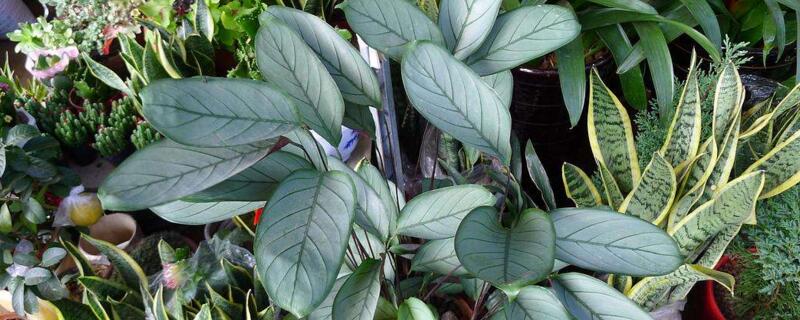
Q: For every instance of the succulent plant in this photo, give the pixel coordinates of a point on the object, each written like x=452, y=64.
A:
x=122, y=115
x=93, y=116
x=144, y=134
x=110, y=141
x=70, y=130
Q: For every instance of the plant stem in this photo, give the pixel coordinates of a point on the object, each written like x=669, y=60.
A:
x=479, y=302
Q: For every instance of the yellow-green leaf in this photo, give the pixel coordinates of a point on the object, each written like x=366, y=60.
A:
x=648, y=291
x=652, y=197
x=781, y=166
x=683, y=137
x=614, y=196
x=579, y=187
x=728, y=98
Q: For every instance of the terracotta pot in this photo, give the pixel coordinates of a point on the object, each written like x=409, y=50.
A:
x=47, y=311
x=711, y=309
x=117, y=228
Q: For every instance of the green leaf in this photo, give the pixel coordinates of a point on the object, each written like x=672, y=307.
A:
x=415, y=309
x=436, y=214
x=533, y=303
x=438, y=256
x=647, y=292
x=325, y=310
x=514, y=41
x=781, y=166
x=372, y=214
x=53, y=255
x=203, y=20
x=614, y=197
x=659, y=60
x=205, y=310
x=200, y=213
x=107, y=76
x=388, y=25
x=589, y=298
x=300, y=244
x=728, y=97
x=683, y=138
x=36, y=276
x=33, y=212
x=611, y=134
x=503, y=85
x=286, y=61
x=152, y=68
x=454, y=99
x=466, y=24
x=83, y=265
x=97, y=309
x=780, y=25
x=579, y=187
x=603, y=240
x=352, y=74
x=359, y=118
x=255, y=183
x=105, y=288
x=694, y=182
x=218, y=112
x=509, y=258
x=733, y=205
x=306, y=146
x=706, y=18
x=358, y=297
x=128, y=269
x=572, y=76
x=374, y=179
x=630, y=5
x=616, y=40
x=6, y=223
x=539, y=176
x=2, y=160
x=652, y=197
x=165, y=171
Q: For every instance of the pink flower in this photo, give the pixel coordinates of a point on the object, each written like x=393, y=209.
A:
x=64, y=55
x=171, y=275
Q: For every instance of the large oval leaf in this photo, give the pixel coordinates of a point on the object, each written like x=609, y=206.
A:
x=388, y=25
x=436, y=214
x=503, y=85
x=200, y=213
x=465, y=24
x=358, y=297
x=508, y=258
x=524, y=34
x=352, y=74
x=165, y=171
x=255, y=183
x=300, y=242
x=415, y=309
x=371, y=212
x=374, y=178
x=608, y=241
x=533, y=303
x=589, y=298
x=438, y=256
x=456, y=100
x=218, y=112
x=285, y=60
x=652, y=197
x=325, y=310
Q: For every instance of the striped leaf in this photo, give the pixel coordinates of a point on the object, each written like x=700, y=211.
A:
x=614, y=197
x=508, y=258
x=513, y=41
x=358, y=297
x=354, y=77
x=255, y=183
x=466, y=24
x=166, y=171
x=436, y=214
x=388, y=25
x=648, y=291
x=683, y=136
x=579, y=187
x=371, y=212
x=728, y=98
x=611, y=134
x=606, y=241
x=722, y=169
x=589, y=298
x=533, y=303
x=652, y=197
x=781, y=166
x=438, y=256
x=286, y=61
x=131, y=273
x=200, y=213
x=503, y=85
x=218, y=112
x=300, y=244
x=733, y=205
x=454, y=99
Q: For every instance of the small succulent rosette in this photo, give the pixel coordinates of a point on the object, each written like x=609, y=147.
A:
x=79, y=208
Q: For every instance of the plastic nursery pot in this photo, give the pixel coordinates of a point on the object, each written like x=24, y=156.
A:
x=710, y=308
x=117, y=228
x=775, y=69
x=47, y=311
x=538, y=114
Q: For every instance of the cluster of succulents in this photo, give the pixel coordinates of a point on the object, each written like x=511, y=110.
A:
x=95, y=21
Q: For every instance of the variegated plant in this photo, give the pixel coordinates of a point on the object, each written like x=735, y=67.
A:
x=691, y=187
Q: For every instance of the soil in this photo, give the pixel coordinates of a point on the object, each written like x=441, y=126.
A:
x=724, y=299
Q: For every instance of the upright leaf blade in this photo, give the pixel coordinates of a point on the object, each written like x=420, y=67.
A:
x=466, y=24
x=616, y=40
x=203, y=20
x=572, y=76
x=683, y=137
x=218, y=112
x=781, y=166
x=705, y=16
x=371, y=213
x=539, y=176
x=286, y=61
x=728, y=98
x=130, y=271
x=456, y=100
x=358, y=297
x=589, y=298
x=579, y=187
x=652, y=197
x=654, y=46
x=300, y=244
x=436, y=214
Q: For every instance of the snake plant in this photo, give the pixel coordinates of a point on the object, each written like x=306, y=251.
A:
x=701, y=190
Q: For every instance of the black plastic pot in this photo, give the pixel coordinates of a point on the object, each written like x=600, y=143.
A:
x=775, y=69
x=538, y=114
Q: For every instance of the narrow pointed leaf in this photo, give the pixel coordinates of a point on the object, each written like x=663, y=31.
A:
x=725, y=161
x=218, y=112
x=454, y=99
x=513, y=41
x=165, y=171
x=579, y=187
x=352, y=74
x=107, y=76
x=203, y=21
x=507, y=258
x=533, y=303
x=683, y=136
x=200, y=213
x=728, y=96
x=589, y=298
x=438, y=256
x=654, y=46
x=436, y=214
x=616, y=40
x=300, y=243
x=652, y=197
x=539, y=176
x=503, y=85
x=630, y=5
x=132, y=274
x=781, y=166
x=388, y=25
x=611, y=134
x=286, y=61
x=466, y=24
x=647, y=291
x=572, y=76
x=614, y=197
x=602, y=240
x=358, y=297
x=706, y=18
